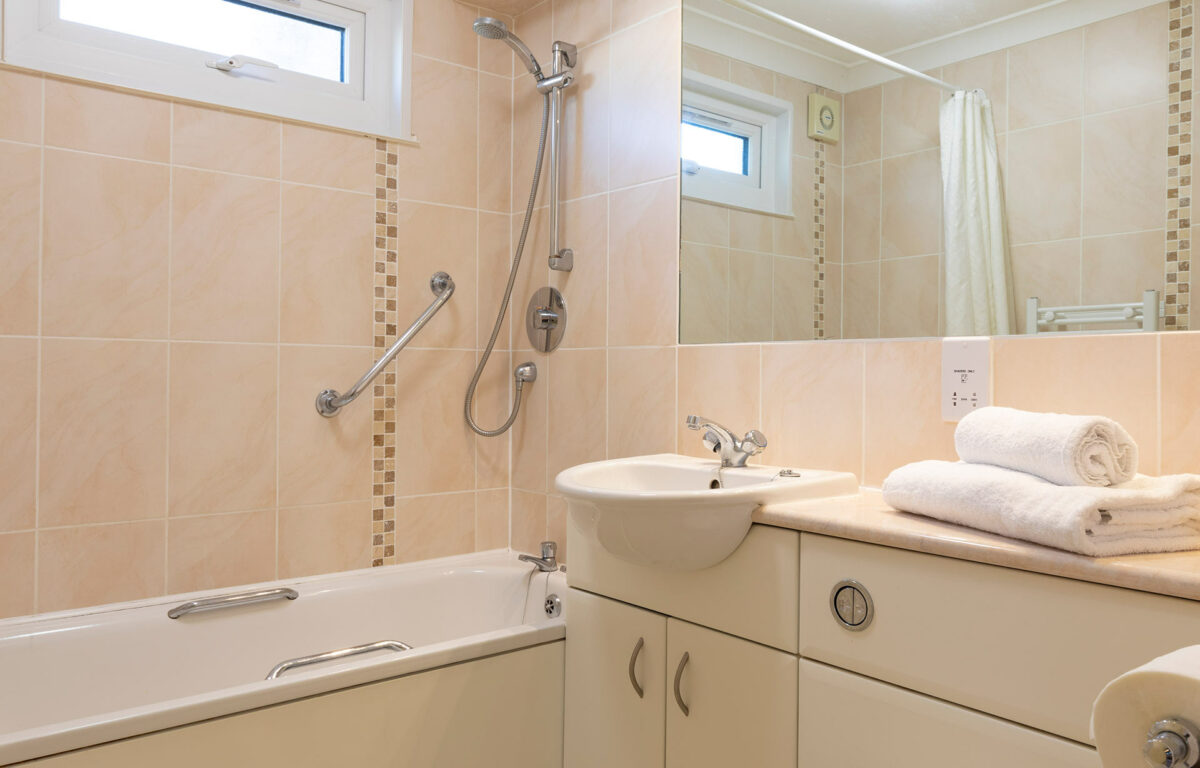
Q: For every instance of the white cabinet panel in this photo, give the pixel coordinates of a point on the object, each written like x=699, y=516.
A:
x=607, y=723
x=741, y=698
x=855, y=722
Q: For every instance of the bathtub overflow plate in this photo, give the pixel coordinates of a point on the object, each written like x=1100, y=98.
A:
x=852, y=605
x=553, y=607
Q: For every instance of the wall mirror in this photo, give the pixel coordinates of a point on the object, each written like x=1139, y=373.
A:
x=1031, y=175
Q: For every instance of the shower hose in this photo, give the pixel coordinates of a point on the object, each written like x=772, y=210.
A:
x=508, y=289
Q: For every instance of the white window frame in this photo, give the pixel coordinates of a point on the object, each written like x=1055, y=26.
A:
x=767, y=122
x=374, y=100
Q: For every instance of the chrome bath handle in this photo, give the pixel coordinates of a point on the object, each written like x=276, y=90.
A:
x=679, y=676
x=341, y=653
x=230, y=601
x=637, y=650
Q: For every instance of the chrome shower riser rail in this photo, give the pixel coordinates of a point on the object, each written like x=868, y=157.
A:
x=330, y=401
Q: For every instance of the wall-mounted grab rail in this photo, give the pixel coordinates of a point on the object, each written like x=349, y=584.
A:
x=330, y=401
x=229, y=601
x=355, y=650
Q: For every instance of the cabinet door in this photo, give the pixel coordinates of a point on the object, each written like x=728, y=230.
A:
x=613, y=649
x=740, y=698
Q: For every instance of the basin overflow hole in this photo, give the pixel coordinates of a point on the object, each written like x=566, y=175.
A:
x=715, y=484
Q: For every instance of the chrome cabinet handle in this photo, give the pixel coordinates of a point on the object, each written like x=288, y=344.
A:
x=229, y=601
x=341, y=653
x=637, y=650
x=679, y=676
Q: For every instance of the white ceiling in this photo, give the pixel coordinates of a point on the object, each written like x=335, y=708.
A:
x=882, y=26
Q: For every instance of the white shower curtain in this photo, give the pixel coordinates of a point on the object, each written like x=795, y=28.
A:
x=978, y=284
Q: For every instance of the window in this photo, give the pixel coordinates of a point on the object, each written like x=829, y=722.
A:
x=735, y=146
x=341, y=63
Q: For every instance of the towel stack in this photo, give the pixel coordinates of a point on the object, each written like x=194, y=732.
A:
x=1069, y=482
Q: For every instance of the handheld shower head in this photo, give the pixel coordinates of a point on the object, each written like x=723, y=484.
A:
x=494, y=29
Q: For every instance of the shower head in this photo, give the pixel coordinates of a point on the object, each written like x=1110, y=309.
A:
x=494, y=29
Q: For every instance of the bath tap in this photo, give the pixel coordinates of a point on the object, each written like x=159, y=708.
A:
x=733, y=452
x=548, y=562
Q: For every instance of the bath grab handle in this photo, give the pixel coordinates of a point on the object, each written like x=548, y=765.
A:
x=330, y=401
x=230, y=601
x=341, y=653
x=679, y=676
x=637, y=651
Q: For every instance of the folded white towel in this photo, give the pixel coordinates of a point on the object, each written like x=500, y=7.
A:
x=1147, y=514
x=1067, y=450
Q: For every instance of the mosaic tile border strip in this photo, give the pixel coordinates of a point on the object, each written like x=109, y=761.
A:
x=383, y=432
x=819, y=241
x=1179, y=165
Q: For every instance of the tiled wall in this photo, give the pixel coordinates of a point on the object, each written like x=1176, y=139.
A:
x=1082, y=123
x=747, y=276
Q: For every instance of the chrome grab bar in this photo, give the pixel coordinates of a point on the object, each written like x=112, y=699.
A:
x=330, y=401
x=354, y=650
x=230, y=601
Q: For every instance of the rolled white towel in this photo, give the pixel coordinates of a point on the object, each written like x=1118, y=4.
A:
x=1067, y=450
x=1147, y=514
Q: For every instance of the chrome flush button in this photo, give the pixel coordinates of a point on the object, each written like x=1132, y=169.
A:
x=852, y=605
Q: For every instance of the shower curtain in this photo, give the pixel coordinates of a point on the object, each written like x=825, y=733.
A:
x=978, y=274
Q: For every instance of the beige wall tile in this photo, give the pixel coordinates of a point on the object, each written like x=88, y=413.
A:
x=225, y=257
x=585, y=138
x=1049, y=271
x=535, y=25
x=104, y=269
x=751, y=231
x=792, y=299
x=322, y=460
x=717, y=382
x=444, y=102
x=328, y=158
x=20, y=107
x=223, y=434
x=704, y=223
x=200, y=139
x=443, y=30
x=989, y=72
x=584, y=228
x=495, y=143
x=911, y=107
x=861, y=119
x=861, y=211
x=220, y=551
x=1077, y=375
x=577, y=434
x=860, y=301
x=20, y=193
x=1125, y=60
x=437, y=238
x=797, y=92
x=813, y=405
x=526, y=127
x=1180, y=410
x=530, y=432
x=1044, y=183
x=97, y=564
x=703, y=294
x=645, y=60
x=582, y=22
x=493, y=404
x=528, y=521
x=16, y=574
x=794, y=235
x=18, y=434
x=834, y=179
x=912, y=205
x=556, y=524
x=494, y=262
x=751, y=279
x=833, y=301
x=626, y=12
x=103, y=431
x=702, y=60
x=1045, y=80
x=643, y=239
x=491, y=520
x=641, y=402
x=434, y=450
x=1124, y=170
x=902, y=408
x=752, y=77
x=1118, y=268
x=107, y=122
x=328, y=267
x=909, y=295
x=324, y=539
x=435, y=526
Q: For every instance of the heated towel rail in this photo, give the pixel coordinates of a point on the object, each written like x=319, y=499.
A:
x=1145, y=313
x=330, y=401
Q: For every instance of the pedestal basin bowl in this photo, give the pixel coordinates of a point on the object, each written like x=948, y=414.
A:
x=680, y=512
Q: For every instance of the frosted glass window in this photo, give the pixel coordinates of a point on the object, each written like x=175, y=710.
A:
x=716, y=149
x=223, y=27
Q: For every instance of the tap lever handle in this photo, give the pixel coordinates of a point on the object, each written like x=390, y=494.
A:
x=549, y=550
x=757, y=439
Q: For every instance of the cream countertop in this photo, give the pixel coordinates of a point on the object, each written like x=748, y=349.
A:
x=867, y=518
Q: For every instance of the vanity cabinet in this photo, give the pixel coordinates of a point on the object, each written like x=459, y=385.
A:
x=739, y=696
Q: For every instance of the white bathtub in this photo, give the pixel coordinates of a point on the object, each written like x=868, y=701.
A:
x=76, y=679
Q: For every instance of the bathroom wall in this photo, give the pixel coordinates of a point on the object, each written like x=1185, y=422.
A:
x=178, y=285
x=1082, y=122
x=749, y=276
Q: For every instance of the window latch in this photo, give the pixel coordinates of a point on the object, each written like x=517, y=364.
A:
x=237, y=61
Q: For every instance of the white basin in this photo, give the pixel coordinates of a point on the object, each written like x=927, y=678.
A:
x=680, y=512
